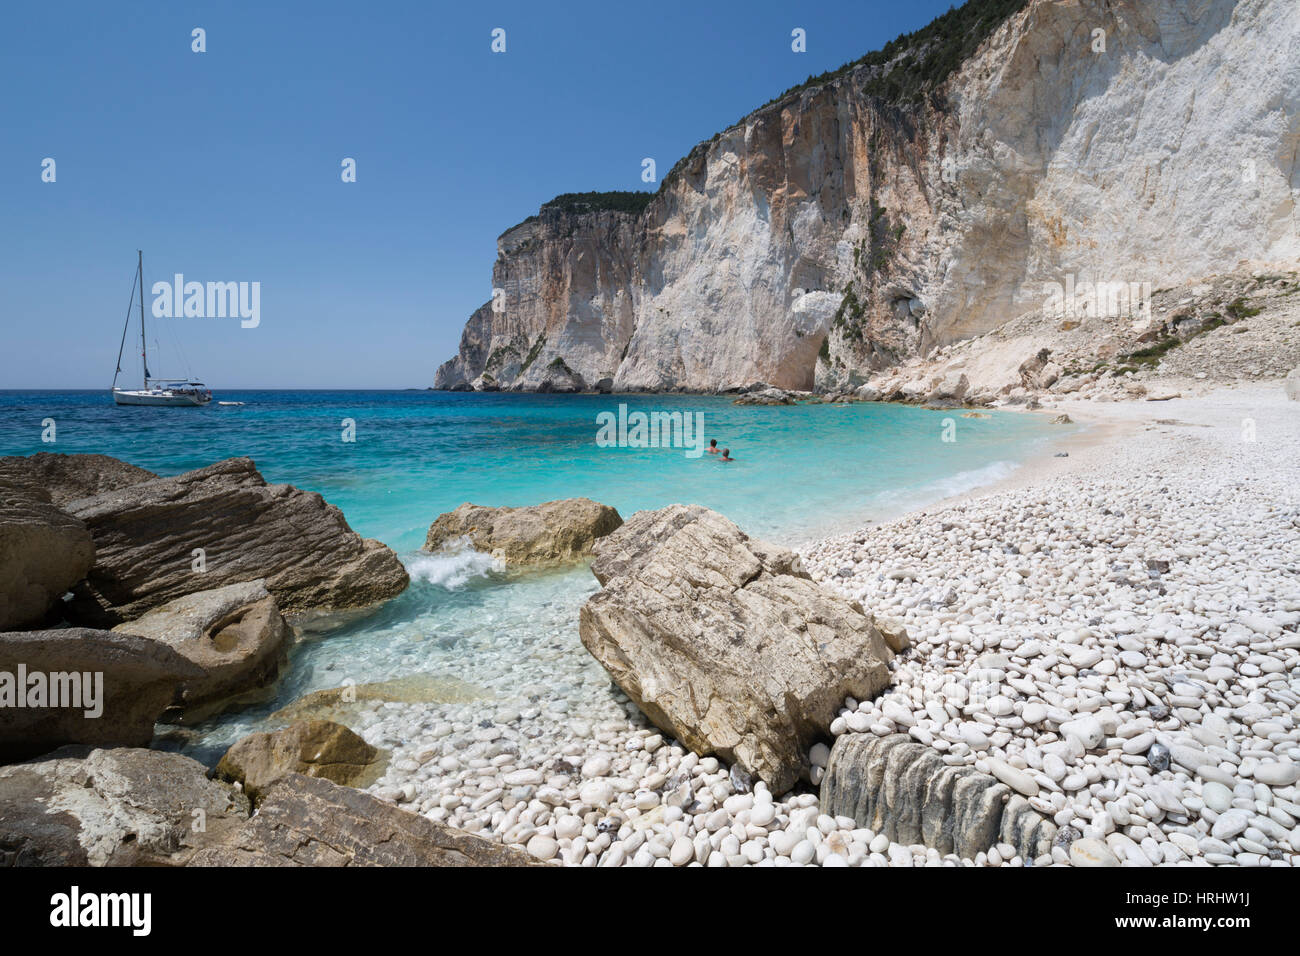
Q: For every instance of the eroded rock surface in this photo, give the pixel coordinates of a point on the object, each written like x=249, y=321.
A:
x=44, y=551
x=896, y=786
x=833, y=234
x=308, y=821
x=236, y=634
x=147, y=535
x=124, y=806
x=66, y=478
x=724, y=641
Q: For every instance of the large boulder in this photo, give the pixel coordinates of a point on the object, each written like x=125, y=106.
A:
x=308, y=821
x=951, y=388
x=315, y=748
x=78, y=807
x=152, y=538
x=725, y=641
x=555, y=532
x=44, y=551
x=903, y=789
x=236, y=634
x=109, y=689
x=66, y=478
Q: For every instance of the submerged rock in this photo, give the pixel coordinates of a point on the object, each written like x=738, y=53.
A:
x=343, y=703
x=725, y=642
x=555, y=532
x=118, y=685
x=315, y=748
x=44, y=551
x=160, y=539
x=236, y=634
x=307, y=821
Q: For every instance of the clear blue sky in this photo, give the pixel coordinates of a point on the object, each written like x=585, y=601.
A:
x=225, y=165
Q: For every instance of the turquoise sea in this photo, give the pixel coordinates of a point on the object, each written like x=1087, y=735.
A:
x=800, y=472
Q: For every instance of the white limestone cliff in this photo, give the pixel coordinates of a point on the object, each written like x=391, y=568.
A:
x=831, y=235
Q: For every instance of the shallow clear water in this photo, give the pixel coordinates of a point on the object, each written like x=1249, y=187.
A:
x=801, y=472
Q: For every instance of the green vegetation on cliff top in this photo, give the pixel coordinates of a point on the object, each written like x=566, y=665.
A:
x=914, y=64
x=911, y=66
x=627, y=201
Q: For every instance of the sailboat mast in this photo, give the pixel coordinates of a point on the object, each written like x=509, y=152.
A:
x=144, y=348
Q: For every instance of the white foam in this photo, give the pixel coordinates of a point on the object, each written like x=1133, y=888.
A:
x=897, y=502
x=456, y=565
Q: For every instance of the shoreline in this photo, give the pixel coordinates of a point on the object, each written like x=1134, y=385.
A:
x=618, y=792
x=1133, y=606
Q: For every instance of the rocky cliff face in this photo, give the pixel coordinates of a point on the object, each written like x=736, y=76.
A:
x=561, y=312
x=1133, y=143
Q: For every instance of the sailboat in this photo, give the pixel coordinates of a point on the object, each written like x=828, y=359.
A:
x=156, y=391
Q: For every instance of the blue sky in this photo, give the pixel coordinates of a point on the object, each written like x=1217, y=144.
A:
x=225, y=165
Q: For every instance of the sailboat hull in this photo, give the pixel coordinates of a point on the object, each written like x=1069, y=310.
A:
x=134, y=397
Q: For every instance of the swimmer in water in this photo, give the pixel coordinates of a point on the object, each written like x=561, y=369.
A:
x=713, y=446
x=726, y=455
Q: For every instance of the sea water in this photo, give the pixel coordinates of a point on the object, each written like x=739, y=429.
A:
x=394, y=460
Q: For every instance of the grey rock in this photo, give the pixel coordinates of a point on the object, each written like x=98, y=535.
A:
x=125, y=806
x=904, y=790
x=309, y=821
x=1158, y=757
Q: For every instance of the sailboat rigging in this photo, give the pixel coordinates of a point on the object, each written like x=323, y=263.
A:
x=155, y=391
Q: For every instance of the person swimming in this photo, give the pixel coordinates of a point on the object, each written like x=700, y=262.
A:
x=726, y=455
x=713, y=446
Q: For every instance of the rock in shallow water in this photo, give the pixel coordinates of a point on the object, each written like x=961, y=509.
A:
x=129, y=681
x=316, y=748
x=146, y=535
x=555, y=532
